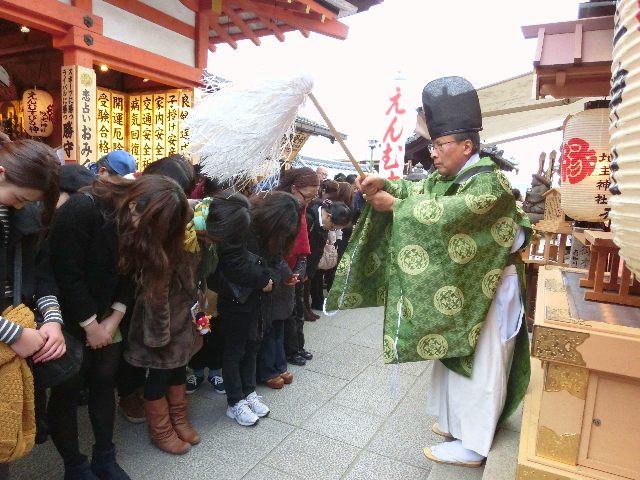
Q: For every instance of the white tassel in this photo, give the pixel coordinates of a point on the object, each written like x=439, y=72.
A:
x=395, y=371
x=238, y=130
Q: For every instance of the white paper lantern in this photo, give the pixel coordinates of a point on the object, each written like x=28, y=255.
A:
x=625, y=134
x=586, y=164
x=37, y=106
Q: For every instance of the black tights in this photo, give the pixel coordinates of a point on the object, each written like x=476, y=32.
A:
x=99, y=371
x=158, y=380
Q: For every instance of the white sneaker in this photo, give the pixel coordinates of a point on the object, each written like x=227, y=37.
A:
x=242, y=413
x=255, y=404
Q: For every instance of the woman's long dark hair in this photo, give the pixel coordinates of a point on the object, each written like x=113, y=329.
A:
x=151, y=213
x=178, y=168
x=275, y=221
x=31, y=164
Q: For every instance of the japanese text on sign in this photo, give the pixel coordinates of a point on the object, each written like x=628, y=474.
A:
x=393, y=140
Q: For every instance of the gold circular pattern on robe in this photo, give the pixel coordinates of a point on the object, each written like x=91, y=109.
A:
x=462, y=248
x=404, y=308
x=413, y=259
x=480, y=204
x=504, y=182
x=372, y=264
x=388, y=349
x=350, y=300
x=504, y=231
x=474, y=334
x=343, y=266
x=432, y=346
x=380, y=295
x=364, y=235
x=449, y=300
x=490, y=282
x=416, y=187
x=428, y=212
x=467, y=364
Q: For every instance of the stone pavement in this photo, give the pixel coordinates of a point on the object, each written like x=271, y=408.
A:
x=338, y=420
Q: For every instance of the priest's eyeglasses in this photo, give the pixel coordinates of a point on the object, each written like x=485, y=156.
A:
x=438, y=146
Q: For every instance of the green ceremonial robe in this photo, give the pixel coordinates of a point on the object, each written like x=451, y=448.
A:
x=435, y=263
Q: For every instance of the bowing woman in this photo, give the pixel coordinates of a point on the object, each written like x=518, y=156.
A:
x=28, y=174
x=101, y=239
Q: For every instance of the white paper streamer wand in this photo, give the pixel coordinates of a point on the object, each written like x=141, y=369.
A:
x=238, y=130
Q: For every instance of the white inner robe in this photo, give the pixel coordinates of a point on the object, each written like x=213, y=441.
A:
x=469, y=408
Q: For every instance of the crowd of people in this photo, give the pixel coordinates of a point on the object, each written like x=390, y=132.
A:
x=146, y=283
x=137, y=278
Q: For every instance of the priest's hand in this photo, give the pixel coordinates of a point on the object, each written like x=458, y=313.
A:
x=381, y=201
x=370, y=185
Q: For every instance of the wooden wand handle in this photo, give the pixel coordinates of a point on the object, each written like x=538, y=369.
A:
x=338, y=137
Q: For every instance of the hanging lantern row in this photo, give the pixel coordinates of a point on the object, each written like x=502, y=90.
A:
x=586, y=164
x=625, y=133
x=37, y=106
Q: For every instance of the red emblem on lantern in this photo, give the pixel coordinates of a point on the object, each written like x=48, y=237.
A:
x=578, y=160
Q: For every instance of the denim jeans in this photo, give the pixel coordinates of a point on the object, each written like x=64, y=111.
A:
x=272, y=360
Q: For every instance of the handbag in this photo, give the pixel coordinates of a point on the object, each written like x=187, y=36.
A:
x=55, y=372
x=329, y=258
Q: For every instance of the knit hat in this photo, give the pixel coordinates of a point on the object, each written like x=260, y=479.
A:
x=73, y=177
x=300, y=177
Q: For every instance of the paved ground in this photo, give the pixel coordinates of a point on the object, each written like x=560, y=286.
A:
x=338, y=420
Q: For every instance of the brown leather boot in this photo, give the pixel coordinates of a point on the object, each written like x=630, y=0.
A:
x=309, y=316
x=177, y=398
x=161, y=431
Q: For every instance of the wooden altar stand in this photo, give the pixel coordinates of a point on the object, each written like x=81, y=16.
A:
x=609, y=279
x=580, y=417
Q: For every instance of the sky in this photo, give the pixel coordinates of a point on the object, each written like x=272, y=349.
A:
x=424, y=39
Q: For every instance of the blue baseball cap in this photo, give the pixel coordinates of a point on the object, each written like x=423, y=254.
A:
x=120, y=161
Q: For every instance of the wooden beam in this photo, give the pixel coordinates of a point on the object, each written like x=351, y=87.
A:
x=76, y=56
x=331, y=28
x=86, y=5
x=154, y=15
x=50, y=16
x=305, y=33
x=299, y=8
x=316, y=7
x=192, y=5
x=246, y=6
x=538, y=55
x=222, y=34
x=27, y=47
x=240, y=23
x=263, y=32
x=202, y=36
x=129, y=59
x=577, y=46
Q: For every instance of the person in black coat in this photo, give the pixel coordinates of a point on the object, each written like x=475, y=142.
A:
x=247, y=274
x=322, y=216
x=101, y=239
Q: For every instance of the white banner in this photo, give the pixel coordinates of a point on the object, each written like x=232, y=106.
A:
x=395, y=132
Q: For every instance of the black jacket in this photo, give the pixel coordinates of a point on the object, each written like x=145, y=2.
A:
x=317, y=238
x=237, y=264
x=26, y=230
x=84, y=255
